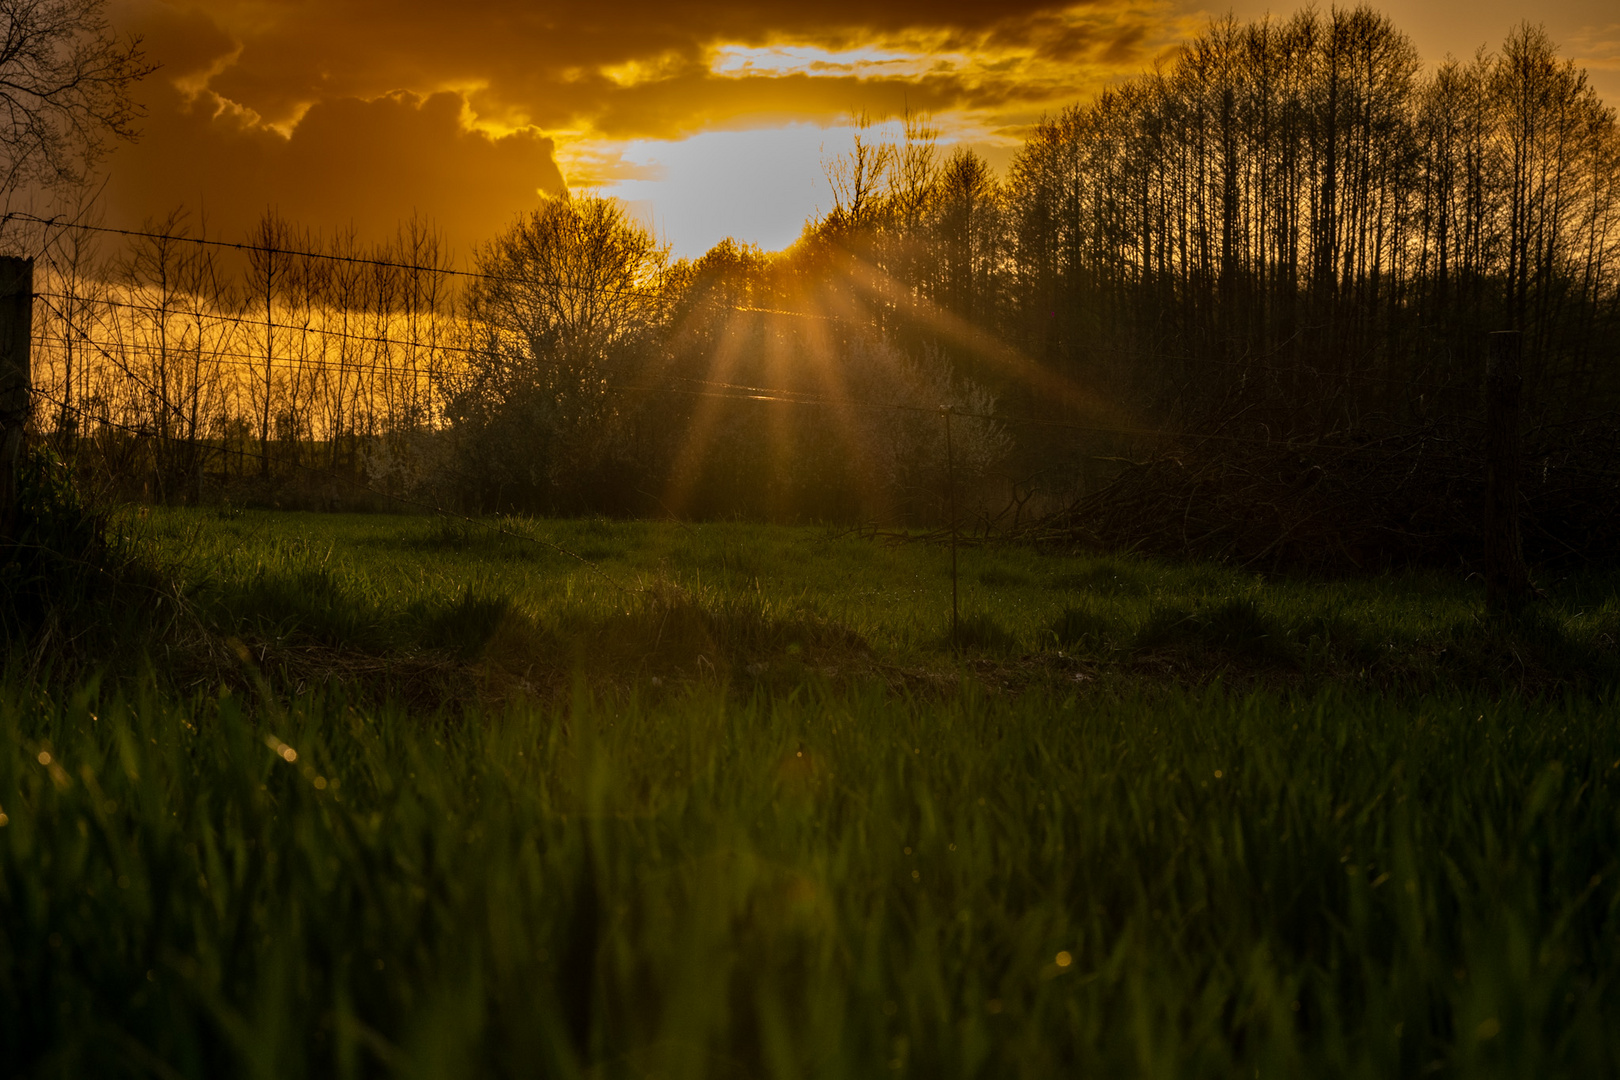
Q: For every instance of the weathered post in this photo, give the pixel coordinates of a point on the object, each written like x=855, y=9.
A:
x=1507, y=580
x=950, y=480
x=16, y=381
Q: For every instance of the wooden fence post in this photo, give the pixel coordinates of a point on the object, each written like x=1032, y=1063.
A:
x=1507, y=580
x=16, y=380
x=950, y=480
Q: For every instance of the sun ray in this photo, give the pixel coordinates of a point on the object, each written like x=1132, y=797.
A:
x=691, y=457
x=779, y=356
x=827, y=356
x=1071, y=399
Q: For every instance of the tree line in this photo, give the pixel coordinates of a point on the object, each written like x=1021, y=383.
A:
x=1292, y=228
x=1291, y=221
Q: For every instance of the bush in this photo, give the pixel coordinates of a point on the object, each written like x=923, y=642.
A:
x=56, y=560
x=73, y=591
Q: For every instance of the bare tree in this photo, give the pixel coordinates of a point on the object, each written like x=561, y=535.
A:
x=72, y=269
x=856, y=176
x=342, y=385
x=270, y=259
x=65, y=80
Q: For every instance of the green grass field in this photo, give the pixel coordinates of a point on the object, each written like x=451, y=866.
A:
x=403, y=796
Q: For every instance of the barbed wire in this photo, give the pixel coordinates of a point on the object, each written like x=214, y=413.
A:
x=779, y=396
x=250, y=322
x=1564, y=468
x=152, y=391
x=740, y=392
x=253, y=360
x=236, y=358
x=417, y=268
x=744, y=392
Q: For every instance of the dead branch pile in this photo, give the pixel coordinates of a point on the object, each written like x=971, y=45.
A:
x=1349, y=502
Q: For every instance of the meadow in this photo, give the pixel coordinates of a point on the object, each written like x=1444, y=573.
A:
x=377, y=795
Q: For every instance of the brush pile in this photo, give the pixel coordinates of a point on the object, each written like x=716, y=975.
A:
x=1347, y=502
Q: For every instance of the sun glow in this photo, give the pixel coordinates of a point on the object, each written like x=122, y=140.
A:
x=820, y=374
x=758, y=186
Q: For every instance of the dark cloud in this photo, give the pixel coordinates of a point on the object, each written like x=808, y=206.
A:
x=348, y=160
x=672, y=108
x=365, y=110
x=543, y=62
x=1126, y=47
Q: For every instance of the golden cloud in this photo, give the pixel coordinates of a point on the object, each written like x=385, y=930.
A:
x=365, y=110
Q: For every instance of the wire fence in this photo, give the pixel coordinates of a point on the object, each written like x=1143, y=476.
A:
x=317, y=333
x=163, y=351
x=179, y=372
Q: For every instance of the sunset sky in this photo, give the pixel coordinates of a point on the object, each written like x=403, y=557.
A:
x=711, y=116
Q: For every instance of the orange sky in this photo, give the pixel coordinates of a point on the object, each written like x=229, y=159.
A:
x=711, y=115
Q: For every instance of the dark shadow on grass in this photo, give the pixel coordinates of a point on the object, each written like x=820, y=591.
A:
x=464, y=628
x=1532, y=650
x=982, y=632
x=1083, y=629
x=310, y=606
x=1236, y=629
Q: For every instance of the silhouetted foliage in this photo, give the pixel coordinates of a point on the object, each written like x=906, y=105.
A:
x=67, y=78
x=567, y=305
x=1288, y=234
